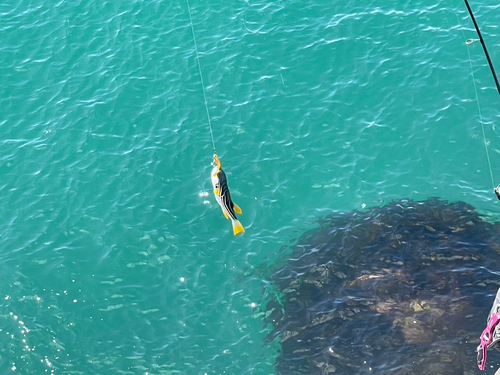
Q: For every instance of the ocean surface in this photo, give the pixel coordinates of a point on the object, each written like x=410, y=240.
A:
x=114, y=255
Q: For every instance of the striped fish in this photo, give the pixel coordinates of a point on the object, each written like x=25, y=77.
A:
x=223, y=197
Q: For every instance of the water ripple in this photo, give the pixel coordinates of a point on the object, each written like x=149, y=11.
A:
x=106, y=148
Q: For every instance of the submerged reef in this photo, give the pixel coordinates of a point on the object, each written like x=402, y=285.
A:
x=400, y=289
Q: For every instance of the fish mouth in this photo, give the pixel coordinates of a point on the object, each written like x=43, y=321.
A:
x=216, y=162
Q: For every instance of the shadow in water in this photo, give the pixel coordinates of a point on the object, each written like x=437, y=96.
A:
x=401, y=289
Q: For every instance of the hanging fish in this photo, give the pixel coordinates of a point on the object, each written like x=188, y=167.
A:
x=223, y=197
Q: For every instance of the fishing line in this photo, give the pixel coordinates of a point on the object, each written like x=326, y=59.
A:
x=484, y=46
x=201, y=76
x=469, y=42
x=481, y=120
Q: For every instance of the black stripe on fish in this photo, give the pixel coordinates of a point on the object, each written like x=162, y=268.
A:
x=225, y=195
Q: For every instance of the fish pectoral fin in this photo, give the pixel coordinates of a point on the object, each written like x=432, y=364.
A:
x=237, y=209
x=237, y=227
x=216, y=191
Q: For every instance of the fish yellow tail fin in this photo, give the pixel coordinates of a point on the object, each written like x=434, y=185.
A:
x=237, y=227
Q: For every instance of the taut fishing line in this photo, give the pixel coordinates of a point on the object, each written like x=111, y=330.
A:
x=469, y=42
x=484, y=46
x=201, y=76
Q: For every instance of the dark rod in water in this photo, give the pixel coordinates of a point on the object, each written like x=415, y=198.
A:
x=484, y=46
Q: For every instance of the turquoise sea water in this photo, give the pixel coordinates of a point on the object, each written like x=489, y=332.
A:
x=113, y=258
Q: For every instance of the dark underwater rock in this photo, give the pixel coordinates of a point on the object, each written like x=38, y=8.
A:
x=401, y=289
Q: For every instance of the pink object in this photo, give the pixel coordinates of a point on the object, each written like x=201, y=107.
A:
x=486, y=339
